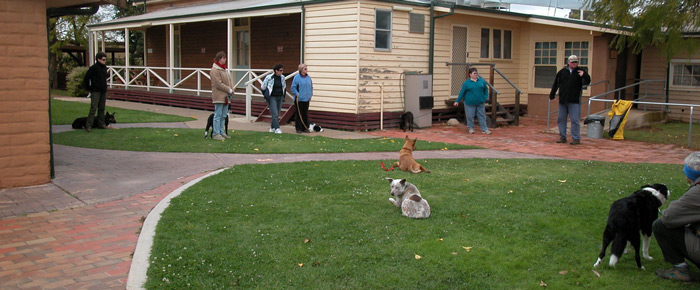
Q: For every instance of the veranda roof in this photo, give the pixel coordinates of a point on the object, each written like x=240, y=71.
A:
x=214, y=11
x=255, y=8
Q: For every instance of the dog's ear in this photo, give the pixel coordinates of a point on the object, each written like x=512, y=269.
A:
x=403, y=181
x=406, y=138
x=389, y=179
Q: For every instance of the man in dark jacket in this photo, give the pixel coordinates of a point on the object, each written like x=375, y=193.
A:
x=678, y=229
x=570, y=81
x=96, y=83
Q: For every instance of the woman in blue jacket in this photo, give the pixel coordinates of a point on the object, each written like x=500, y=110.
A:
x=475, y=92
x=302, y=89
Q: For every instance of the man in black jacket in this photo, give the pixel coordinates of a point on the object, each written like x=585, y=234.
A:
x=570, y=81
x=96, y=83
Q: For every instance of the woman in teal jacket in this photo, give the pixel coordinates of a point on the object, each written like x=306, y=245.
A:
x=475, y=92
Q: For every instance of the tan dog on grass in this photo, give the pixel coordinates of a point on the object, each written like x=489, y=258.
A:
x=406, y=161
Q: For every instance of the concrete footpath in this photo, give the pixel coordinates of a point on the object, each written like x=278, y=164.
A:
x=80, y=230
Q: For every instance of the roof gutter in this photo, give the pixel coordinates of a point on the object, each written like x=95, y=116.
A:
x=74, y=10
x=432, y=33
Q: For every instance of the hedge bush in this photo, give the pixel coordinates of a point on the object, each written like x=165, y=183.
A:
x=74, y=82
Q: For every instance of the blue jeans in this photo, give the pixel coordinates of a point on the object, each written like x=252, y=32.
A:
x=275, y=105
x=220, y=111
x=480, y=111
x=574, y=113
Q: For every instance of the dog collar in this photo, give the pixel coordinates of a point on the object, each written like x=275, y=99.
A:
x=656, y=194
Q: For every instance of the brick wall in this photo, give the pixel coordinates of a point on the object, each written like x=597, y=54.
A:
x=24, y=93
x=201, y=41
x=268, y=34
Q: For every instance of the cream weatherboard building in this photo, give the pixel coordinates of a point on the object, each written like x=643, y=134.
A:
x=360, y=51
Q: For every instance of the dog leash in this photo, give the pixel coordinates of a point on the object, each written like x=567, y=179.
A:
x=296, y=99
x=383, y=167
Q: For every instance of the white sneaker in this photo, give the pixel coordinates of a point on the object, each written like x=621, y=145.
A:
x=278, y=131
x=226, y=136
x=218, y=137
x=272, y=130
x=471, y=131
x=487, y=132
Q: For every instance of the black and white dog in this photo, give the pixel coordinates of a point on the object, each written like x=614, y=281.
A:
x=627, y=217
x=313, y=127
x=210, y=124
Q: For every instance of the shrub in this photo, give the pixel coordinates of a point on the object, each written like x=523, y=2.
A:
x=74, y=82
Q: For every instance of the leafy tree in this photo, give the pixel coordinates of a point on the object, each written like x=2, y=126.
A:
x=73, y=31
x=136, y=39
x=662, y=23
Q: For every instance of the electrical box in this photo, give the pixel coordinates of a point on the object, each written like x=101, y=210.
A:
x=419, y=99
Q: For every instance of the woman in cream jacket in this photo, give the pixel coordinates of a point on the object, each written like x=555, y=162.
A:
x=221, y=91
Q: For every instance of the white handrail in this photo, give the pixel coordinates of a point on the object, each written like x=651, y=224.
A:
x=119, y=77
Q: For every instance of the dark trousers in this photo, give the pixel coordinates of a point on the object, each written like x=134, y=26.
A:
x=97, y=103
x=302, y=119
x=671, y=242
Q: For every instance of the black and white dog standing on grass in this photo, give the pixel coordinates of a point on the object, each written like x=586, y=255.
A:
x=627, y=217
x=210, y=125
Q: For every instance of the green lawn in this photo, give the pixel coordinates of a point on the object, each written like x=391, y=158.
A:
x=329, y=225
x=65, y=112
x=669, y=133
x=192, y=140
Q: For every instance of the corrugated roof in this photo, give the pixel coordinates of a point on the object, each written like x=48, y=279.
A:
x=197, y=11
x=251, y=8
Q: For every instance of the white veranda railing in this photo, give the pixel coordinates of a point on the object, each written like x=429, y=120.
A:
x=187, y=80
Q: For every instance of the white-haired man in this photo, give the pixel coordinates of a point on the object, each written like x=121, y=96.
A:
x=678, y=230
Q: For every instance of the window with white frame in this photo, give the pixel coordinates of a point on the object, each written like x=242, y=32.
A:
x=578, y=48
x=496, y=43
x=545, y=63
x=382, y=29
x=685, y=74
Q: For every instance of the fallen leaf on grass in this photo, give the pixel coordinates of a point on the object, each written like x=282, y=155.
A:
x=300, y=265
x=468, y=249
x=306, y=241
x=440, y=239
x=256, y=149
x=562, y=180
x=543, y=284
x=563, y=272
x=175, y=135
x=454, y=253
x=418, y=257
x=596, y=273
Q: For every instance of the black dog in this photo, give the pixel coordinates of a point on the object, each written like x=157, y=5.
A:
x=627, y=217
x=79, y=123
x=210, y=124
x=406, y=122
